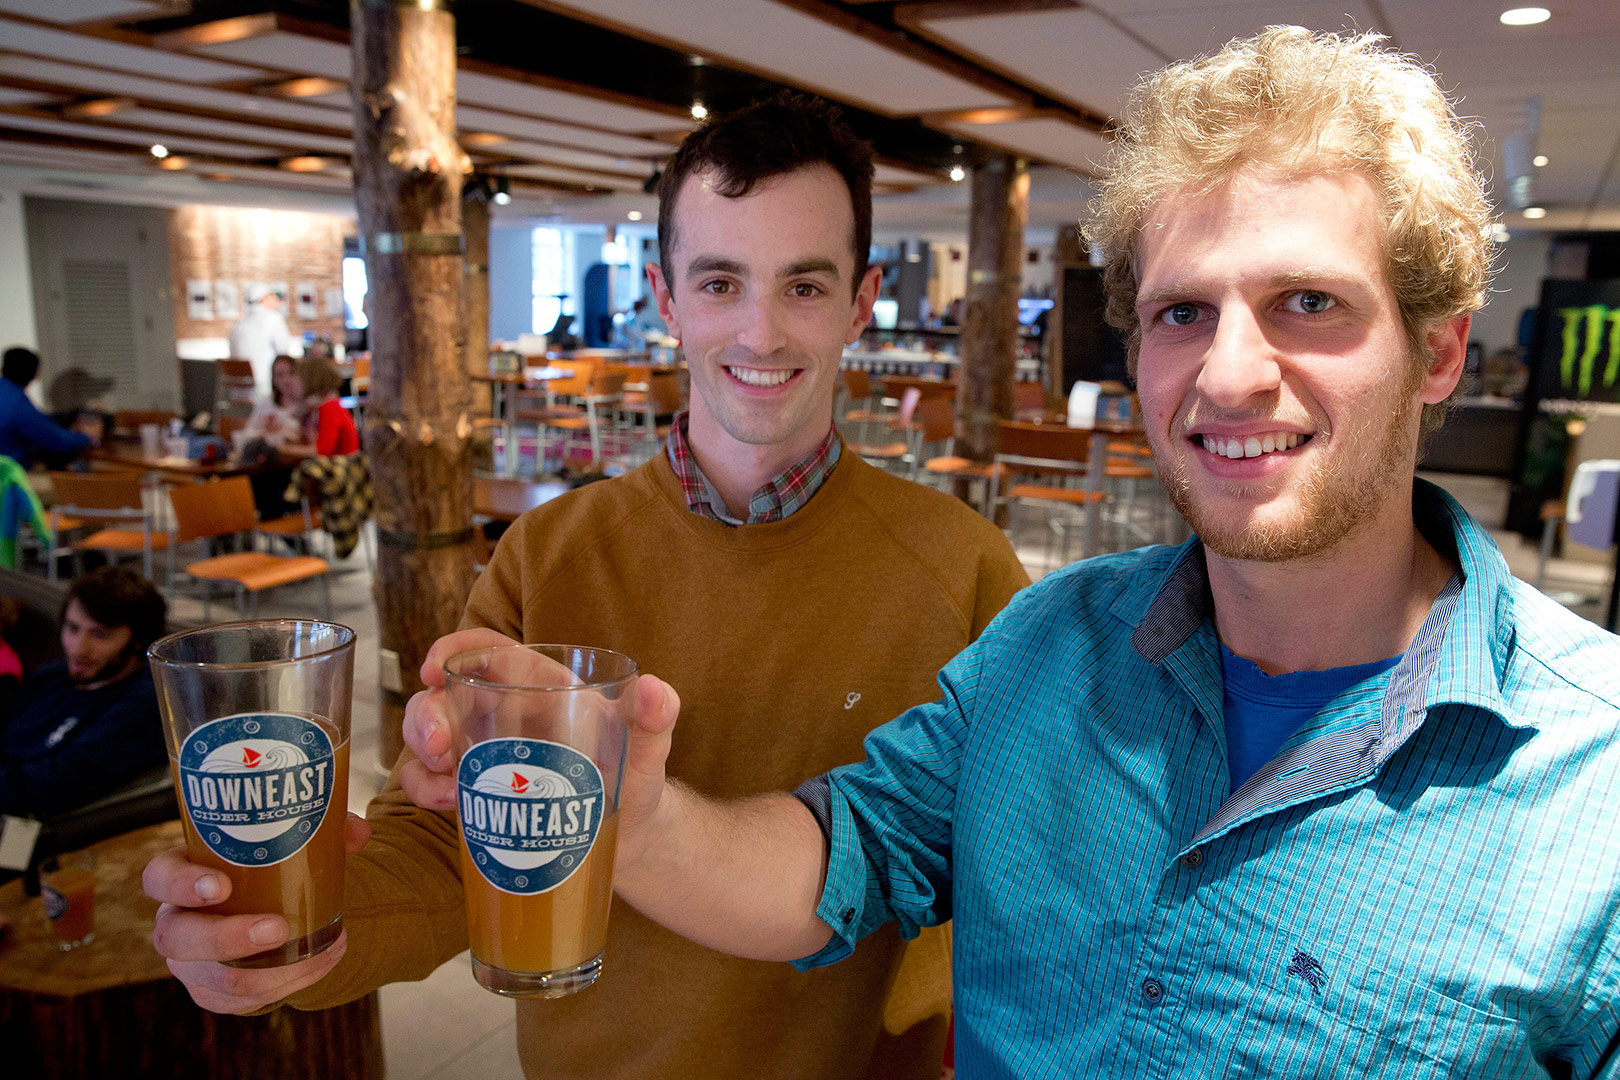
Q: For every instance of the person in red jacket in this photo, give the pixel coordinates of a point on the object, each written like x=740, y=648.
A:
x=328, y=428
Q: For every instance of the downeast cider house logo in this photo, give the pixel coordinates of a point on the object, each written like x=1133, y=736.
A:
x=1582, y=333
x=257, y=785
x=530, y=810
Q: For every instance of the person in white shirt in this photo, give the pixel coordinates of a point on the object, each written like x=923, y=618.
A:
x=261, y=335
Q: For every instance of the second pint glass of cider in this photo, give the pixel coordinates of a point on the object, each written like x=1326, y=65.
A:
x=539, y=735
x=256, y=715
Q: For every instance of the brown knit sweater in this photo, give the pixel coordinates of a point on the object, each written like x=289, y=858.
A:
x=787, y=643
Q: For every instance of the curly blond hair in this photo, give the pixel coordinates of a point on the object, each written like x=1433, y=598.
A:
x=1293, y=102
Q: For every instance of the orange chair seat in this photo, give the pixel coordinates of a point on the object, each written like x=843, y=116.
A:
x=868, y=416
x=255, y=570
x=122, y=540
x=551, y=415
x=571, y=423
x=1073, y=496
x=880, y=450
x=961, y=466
x=1125, y=470
x=1128, y=449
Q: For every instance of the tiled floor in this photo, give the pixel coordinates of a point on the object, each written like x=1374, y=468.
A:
x=446, y=1026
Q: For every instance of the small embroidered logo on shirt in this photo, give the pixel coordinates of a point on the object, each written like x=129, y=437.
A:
x=849, y=702
x=1308, y=968
x=72, y=722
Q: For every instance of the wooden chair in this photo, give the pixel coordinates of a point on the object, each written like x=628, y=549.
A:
x=225, y=508
x=114, y=501
x=235, y=393
x=1046, y=465
x=600, y=401
x=661, y=398
x=896, y=451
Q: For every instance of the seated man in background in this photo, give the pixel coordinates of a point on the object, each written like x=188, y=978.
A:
x=25, y=432
x=89, y=722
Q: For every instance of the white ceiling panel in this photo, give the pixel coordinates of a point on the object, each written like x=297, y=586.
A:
x=1056, y=142
x=9, y=96
x=792, y=47
x=44, y=41
x=489, y=90
x=1073, y=54
x=572, y=176
x=197, y=125
x=77, y=11
x=91, y=80
x=1190, y=30
x=285, y=51
x=180, y=144
x=583, y=159
x=891, y=174
x=472, y=118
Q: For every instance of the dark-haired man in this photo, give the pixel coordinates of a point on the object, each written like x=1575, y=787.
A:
x=1325, y=792
x=25, y=432
x=771, y=573
x=88, y=722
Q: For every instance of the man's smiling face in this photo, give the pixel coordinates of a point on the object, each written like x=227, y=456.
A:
x=1277, y=382
x=759, y=291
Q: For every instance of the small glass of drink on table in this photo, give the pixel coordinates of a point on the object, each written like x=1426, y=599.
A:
x=539, y=735
x=256, y=715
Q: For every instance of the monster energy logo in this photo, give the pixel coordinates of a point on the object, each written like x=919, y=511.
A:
x=1583, y=334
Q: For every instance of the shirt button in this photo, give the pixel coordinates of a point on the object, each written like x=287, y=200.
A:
x=1193, y=859
x=1153, y=990
x=848, y=914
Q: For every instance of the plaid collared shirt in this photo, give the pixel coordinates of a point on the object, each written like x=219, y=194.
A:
x=777, y=498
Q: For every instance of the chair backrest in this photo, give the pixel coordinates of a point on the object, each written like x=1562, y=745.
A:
x=236, y=381
x=360, y=377
x=1055, y=443
x=936, y=416
x=129, y=421
x=219, y=508
x=81, y=494
x=1029, y=399
x=607, y=383
x=578, y=383
x=230, y=425
x=858, y=383
x=664, y=392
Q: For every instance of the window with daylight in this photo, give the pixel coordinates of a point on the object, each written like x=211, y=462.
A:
x=550, y=273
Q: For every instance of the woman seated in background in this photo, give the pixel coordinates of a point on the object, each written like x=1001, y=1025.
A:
x=279, y=419
x=328, y=428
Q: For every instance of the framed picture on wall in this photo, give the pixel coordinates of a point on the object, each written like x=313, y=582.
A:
x=199, y=299
x=304, y=299
x=227, y=299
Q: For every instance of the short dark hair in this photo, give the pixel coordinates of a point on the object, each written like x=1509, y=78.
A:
x=114, y=596
x=20, y=365
x=767, y=139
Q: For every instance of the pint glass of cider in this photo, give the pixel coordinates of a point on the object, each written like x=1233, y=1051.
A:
x=256, y=715
x=539, y=734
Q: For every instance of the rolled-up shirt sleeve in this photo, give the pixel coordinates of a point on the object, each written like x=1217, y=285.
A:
x=889, y=819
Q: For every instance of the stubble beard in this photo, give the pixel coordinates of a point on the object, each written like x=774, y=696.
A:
x=1336, y=498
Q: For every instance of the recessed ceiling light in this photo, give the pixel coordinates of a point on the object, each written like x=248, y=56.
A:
x=173, y=162
x=1539, y=161
x=1525, y=16
x=1535, y=212
x=305, y=163
x=698, y=110
x=634, y=215
x=159, y=150
x=502, y=198
x=958, y=173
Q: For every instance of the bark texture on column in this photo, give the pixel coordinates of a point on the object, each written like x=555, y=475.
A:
x=989, y=355
x=408, y=172
x=475, y=296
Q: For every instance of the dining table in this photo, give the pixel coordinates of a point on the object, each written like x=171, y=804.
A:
x=503, y=498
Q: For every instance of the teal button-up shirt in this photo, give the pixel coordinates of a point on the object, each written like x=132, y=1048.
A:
x=1422, y=883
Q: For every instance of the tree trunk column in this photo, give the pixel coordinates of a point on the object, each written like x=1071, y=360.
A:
x=475, y=295
x=989, y=353
x=408, y=171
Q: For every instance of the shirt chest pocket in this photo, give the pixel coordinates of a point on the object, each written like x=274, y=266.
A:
x=1332, y=1015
